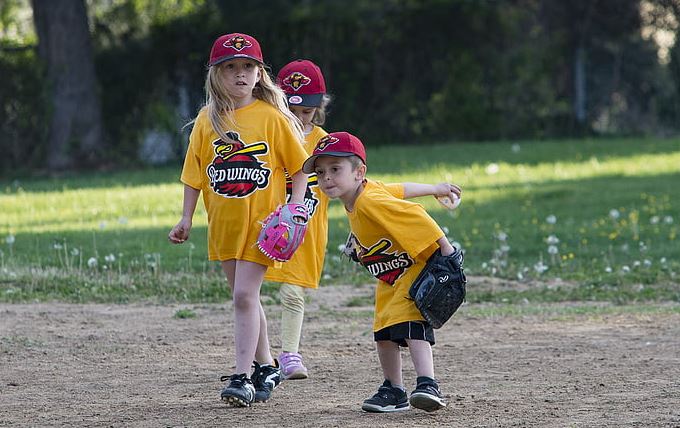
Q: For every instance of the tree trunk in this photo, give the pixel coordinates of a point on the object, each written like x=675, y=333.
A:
x=75, y=128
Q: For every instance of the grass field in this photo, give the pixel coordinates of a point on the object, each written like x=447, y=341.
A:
x=599, y=215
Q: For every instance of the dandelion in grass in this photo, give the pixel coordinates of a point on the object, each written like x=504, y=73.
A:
x=539, y=267
x=552, y=240
x=662, y=260
x=614, y=214
x=551, y=219
x=668, y=219
x=92, y=262
x=654, y=220
x=501, y=236
x=445, y=230
x=643, y=247
x=608, y=269
x=10, y=239
x=552, y=250
x=492, y=168
x=110, y=258
x=636, y=264
x=647, y=263
x=625, y=269
x=515, y=148
x=75, y=252
x=327, y=276
x=341, y=248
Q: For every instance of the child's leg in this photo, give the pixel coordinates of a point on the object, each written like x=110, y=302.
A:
x=262, y=353
x=248, y=314
x=426, y=396
x=421, y=355
x=292, y=315
x=390, y=361
x=391, y=396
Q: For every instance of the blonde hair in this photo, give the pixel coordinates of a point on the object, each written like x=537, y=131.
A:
x=320, y=113
x=221, y=106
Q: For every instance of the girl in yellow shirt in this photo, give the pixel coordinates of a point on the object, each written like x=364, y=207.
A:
x=242, y=142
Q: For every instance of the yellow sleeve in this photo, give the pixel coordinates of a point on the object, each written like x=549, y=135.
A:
x=395, y=189
x=192, y=171
x=290, y=152
x=406, y=222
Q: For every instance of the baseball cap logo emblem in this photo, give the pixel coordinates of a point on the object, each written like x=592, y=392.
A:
x=297, y=80
x=238, y=43
x=325, y=142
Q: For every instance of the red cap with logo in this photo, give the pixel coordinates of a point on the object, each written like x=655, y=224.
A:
x=303, y=83
x=340, y=144
x=235, y=45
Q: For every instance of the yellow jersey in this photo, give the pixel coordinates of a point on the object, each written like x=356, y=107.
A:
x=305, y=267
x=392, y=238
x=242, y=179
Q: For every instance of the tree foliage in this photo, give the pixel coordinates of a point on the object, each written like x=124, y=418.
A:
x=408, y=71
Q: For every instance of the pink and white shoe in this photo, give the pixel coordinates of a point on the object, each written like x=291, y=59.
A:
x=291, y=366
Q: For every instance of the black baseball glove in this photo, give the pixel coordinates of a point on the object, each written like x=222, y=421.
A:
x=439, y=289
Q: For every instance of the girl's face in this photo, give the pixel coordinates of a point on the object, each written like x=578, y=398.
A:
x=337, y=178
x=239, y=76
x=305, y=114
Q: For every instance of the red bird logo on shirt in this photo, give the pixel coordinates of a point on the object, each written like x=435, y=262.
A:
x=387, y=267
x=236, y=172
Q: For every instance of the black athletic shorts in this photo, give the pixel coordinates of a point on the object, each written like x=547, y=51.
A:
x=416, y=330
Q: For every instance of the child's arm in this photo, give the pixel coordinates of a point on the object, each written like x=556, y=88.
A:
x=445, y=246
x=180, y=232
x=299, y=187
x=413, y=190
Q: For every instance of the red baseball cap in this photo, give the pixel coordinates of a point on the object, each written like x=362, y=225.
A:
x=340, y=144
x=235, y=45
x=303, y=83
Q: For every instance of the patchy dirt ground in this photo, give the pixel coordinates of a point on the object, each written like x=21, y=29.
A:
x=136, y=365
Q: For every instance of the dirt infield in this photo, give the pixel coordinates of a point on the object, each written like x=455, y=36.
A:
x=136, y=365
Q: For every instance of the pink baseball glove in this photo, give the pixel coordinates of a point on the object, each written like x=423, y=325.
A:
x=283, y=231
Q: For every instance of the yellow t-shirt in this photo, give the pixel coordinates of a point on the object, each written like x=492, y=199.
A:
x=305, y=267
x=242, y=180
x=392, y=238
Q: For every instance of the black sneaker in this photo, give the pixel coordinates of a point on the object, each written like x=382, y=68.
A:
x=265, y=379
x=387, y=399
x=426, y=395
x=240, y=392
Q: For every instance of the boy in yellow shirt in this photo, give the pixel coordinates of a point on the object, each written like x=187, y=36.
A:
x=393, y=239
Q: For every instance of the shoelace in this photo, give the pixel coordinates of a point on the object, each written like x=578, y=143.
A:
x=235, y=380
x=384, y=392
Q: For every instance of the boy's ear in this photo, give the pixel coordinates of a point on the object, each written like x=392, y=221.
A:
x=361, y=172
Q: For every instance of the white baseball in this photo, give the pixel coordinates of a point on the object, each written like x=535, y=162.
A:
x=449, y=202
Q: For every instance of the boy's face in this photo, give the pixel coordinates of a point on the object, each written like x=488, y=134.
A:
x=305, y=114
x=239, y=76
x=337, y=178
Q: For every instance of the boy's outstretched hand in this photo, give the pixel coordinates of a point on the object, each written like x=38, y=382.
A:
x=448, y=194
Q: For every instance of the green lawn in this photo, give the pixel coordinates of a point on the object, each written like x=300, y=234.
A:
x=597, y=213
